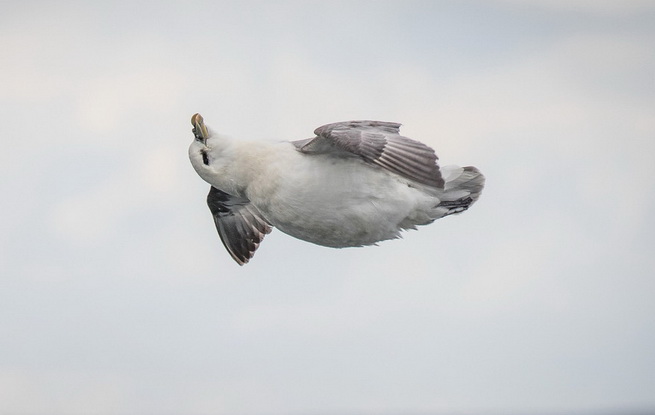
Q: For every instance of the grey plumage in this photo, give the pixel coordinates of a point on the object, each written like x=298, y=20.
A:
x=378, y=143
x=239, y=224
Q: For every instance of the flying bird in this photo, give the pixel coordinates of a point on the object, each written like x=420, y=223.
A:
x=355, y=183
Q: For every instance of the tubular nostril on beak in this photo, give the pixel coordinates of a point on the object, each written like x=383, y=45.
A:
x=199, y=128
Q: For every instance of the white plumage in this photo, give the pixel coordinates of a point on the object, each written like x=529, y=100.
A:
x=354, y=184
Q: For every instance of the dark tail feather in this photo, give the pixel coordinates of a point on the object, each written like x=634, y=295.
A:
x=463, y=187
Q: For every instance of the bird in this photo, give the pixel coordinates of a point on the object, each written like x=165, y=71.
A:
x=353, y=184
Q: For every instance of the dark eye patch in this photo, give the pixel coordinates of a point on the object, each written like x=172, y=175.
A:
x=205, y=157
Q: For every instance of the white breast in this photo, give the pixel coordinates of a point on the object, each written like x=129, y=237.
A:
x=335, y=201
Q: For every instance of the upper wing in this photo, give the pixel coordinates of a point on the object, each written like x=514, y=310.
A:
x=238, y=223
x=379, y=143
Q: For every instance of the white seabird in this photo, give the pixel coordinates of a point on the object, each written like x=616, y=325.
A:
x=356, y=183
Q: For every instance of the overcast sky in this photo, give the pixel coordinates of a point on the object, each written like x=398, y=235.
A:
x=117, y=297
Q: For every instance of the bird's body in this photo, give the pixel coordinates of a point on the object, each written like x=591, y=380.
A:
x=323, y=193
x=329, y=200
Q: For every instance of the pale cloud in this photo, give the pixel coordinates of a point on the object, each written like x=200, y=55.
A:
x=77, y=392
x=108, y=235
x=33, y=73
x=106, y=102
x=545, y=93
x=91, y=216
x=600, y=7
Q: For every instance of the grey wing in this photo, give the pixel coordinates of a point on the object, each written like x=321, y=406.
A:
x=381, y=144
x=239, y=224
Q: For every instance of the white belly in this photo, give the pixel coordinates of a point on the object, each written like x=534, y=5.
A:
x=338, y=202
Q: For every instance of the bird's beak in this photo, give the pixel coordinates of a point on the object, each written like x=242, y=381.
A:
x=199, y=128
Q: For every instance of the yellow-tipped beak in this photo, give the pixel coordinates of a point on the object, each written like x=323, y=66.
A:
x=199, y=128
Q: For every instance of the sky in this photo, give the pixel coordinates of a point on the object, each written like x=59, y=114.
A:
x=117, y=297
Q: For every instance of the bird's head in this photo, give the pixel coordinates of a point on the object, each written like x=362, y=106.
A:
x=200, y=149
x=212, y=156
x=209, y=152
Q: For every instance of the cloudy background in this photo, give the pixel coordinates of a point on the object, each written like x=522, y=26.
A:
x=117, y=297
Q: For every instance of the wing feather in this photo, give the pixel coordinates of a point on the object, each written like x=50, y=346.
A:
x=378, y=143
x=239, y=224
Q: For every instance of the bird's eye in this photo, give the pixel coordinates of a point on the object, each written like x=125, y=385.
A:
x=205, y=157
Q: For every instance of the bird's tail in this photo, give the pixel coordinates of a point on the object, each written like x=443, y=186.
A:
x=463, y=186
